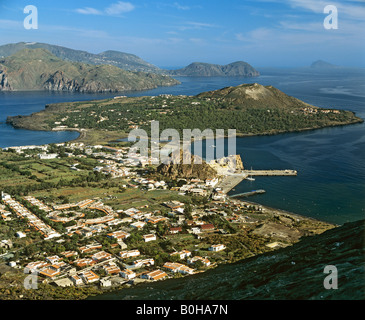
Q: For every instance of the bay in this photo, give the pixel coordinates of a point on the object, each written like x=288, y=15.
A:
x=330, y=162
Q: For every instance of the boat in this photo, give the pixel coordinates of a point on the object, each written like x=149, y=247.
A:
x=250, y=178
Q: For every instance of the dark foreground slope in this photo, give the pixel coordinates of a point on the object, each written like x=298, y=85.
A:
x=294, y=272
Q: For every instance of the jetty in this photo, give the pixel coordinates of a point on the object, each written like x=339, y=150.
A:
x=247, y=194
x=270, y=172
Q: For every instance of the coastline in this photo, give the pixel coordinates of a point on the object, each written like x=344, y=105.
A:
x=84, y=132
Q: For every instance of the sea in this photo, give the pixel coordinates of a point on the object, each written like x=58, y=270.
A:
x=330, y=185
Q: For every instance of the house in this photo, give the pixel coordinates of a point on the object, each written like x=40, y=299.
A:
x=35, y=267
x=182, y=254
x=101, y=256
x=53, y=259
x=143, y=262
x=155, y=275
x=132, y=211
x=76, y=280
x=178, y=267
x=84, y=262
x=155, y=220
x=105, y=282
x=195, y=230
x=111, y=269
x=138, y=225
x=211, y=182
x=119, y=235
x=127, y=274
x=49, y=273
x=44, y=156
x=90, y=247
x=69, y=254
x=122, y=245
x=89, y=276
x=20, y=235
x=205, y=261
x=130, y=253
x=175, y=230
x=173, y=205
x=149, y=237
x=217, y=247
x=207, y=227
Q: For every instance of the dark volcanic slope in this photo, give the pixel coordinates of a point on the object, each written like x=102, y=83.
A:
x=291, y=273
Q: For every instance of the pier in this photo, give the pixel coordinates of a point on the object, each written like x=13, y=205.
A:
x=247, y=194
x=270, y=172
x=232, y=180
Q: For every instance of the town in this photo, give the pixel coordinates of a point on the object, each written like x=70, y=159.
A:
x=186, y=227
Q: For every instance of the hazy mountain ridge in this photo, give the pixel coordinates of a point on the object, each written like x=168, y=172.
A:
x=121, y=60
x=38, y=69
x=200, y=69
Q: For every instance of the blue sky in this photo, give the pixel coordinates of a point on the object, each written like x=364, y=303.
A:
x=175, y=33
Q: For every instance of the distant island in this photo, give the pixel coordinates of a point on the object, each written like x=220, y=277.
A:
x=251, y=109
x=39, y=69
x=322, y=65
x=199, y=69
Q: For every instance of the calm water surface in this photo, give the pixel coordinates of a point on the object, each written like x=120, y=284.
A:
x=330, y=162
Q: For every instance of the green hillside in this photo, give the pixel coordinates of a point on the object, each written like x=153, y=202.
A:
x=119, y=59
x=38, y=69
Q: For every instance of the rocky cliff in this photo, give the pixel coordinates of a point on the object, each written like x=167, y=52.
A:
x=4, y=83
x=180, y=168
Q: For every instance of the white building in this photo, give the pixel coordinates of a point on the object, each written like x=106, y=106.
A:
x=217, y=247
x=20, y=234
x=149, y=237
x=44, y=156
x=127, y=274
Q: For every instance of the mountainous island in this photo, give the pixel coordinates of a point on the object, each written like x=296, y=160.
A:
x=199, y=69
x=38, y=69
x=126, y=61
x=320, y=64
x=251, y=109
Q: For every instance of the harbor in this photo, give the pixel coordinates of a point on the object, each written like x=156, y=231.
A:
x=230, y=181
